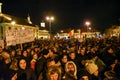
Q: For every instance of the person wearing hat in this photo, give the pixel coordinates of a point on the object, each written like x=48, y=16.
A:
x=24, y=72
x=110, y=75
x=92, y=68
x=84, y=75
x=70, y=71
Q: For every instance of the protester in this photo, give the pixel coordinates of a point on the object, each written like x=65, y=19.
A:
x=94, y=59
x=84, y=75
x=33, y=61
x=4, y=66
x=54, y=73
x=92, y=68
x=70, y=71
x=25, y=73
x=63, y=61
x=40, y=66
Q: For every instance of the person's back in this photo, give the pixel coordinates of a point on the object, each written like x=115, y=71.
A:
x=41, y=63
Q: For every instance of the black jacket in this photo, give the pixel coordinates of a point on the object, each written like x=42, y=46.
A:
x=27, y=74
x=40, y=66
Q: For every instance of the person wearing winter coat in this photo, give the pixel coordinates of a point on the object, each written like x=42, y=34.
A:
x=4, y=66
x=63, y=61
x=92, y=68
x=40, y=66
x=25, y=73
x=33, y=62
x=70, y=71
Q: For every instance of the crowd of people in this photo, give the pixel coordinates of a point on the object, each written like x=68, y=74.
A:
x=62, y=59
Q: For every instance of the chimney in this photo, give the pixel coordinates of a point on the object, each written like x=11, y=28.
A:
x=0, y=7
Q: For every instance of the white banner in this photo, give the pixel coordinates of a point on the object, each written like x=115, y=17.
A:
x=14, y=36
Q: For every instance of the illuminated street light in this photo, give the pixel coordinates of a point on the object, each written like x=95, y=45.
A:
x=87, y=23
x=13, y=22
x=50, y=19
x=89, y=28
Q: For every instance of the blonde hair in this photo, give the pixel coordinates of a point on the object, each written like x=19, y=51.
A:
x=5, y=55
x=53, y=70
x=13, y=65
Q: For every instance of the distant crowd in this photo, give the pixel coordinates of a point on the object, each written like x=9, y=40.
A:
x=62, y=59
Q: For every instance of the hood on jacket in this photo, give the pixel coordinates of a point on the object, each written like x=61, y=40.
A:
x=71, y=63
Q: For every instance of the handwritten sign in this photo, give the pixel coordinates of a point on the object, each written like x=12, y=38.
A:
x=18, y=36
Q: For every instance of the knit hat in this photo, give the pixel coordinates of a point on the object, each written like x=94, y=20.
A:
x=82, y=73
x=110, y=74
x=91, y=67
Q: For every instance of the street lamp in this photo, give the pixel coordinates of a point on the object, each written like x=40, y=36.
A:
x=50, y=19
x=87, y=23
x=13, y=22
x=89, y=28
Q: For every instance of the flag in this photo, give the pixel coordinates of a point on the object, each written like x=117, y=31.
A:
x=71, y=32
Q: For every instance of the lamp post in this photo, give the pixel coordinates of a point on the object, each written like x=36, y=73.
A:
x=87, y=23
x=50, y=19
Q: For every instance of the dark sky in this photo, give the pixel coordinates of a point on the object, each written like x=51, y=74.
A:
x=68, y=13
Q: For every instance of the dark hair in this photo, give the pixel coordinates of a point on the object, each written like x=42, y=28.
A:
x=19, y=62
x=72, y=52
x=108, y=48
x=50, y=60
x=61, y=56
x=45, y=51
x=82, y=73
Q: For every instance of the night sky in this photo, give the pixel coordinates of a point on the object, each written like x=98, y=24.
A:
x=68, y=13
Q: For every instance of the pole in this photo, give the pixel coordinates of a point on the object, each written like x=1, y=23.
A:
x=87, y=32
x=50, y=19
x=87, y=26
x=50, y=27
